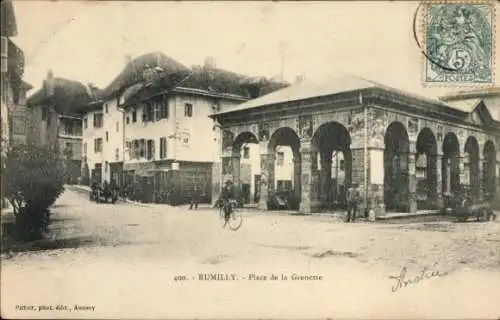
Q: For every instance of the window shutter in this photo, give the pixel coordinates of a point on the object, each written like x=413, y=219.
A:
x=152, y=149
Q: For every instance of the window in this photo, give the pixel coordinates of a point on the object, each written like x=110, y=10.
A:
x=107, y=136
x=68, y=150
x=85, y=123
x=18, y=125
x=128, y=119
x=128, y=146
x=98, y=120
x=117, y=154
x=164, y=109
x=148, y=112
x=98, y=145
x=142, y=148
x=342, y=165
x=280, y=159
x=134, y=116
x=68, y=128
x=188, y=110
x=185, y=138
x=163, y=147
x=117, y=126
x=246, y=152
x=135, y=152
x=150, y=149
x=85, y=148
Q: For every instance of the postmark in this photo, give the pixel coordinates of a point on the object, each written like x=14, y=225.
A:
x=459, y=43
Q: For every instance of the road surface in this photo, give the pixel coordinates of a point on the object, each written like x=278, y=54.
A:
x=154, y=261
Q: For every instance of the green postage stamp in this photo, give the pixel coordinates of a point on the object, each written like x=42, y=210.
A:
x=459, y=42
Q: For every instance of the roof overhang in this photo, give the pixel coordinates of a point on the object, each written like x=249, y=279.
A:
x=471, y=94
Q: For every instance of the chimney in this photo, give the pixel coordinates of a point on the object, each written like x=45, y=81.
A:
x=210, y=63
x=49, y=83
x=299, y=79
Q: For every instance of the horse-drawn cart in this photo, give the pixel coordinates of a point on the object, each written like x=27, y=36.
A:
x=101, y=195
x=480, y=210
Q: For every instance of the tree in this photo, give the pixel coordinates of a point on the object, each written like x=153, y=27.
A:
x=33, y=180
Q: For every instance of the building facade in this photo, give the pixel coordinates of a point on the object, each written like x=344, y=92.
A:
x=54, y=122
x=156, y=133
x=406, y=153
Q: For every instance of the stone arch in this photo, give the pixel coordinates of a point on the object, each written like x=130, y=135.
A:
x=285, y=137
x=330, y=141
x=450, y=168
x=426, y=169
x=231, y=164
x=489, y=168
x=396, y=177
x=242, y=138
x=471, y=165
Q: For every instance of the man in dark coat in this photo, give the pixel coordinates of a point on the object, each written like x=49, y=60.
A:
x=195, y=198
x=352, y=202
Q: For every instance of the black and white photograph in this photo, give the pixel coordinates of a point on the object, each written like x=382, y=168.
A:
x=250, y=159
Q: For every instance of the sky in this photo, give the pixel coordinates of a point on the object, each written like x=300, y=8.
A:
x=88, y=40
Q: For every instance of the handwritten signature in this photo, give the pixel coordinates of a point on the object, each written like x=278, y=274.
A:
x=403, y=281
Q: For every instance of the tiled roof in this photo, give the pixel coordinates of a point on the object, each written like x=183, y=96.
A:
x=341, y=83
x=467, y=105
x=306, y=90
x=133, y=71
x=69, y=96
x=473, y=93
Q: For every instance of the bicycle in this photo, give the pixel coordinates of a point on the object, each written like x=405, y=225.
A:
x=233, y=219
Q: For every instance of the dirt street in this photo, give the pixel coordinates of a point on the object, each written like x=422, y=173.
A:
x=131, y=261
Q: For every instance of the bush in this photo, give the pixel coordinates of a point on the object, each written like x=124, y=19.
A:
x=33, y=182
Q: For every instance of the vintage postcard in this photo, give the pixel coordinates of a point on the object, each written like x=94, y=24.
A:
x=250, y=160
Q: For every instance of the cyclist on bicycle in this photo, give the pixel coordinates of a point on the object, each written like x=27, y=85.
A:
x=226, y=198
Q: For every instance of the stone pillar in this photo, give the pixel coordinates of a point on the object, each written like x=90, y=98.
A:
x=376, y=174
x=296, y=175
x=325, y=176
x=412, y=183
x=480, y=179
x=266, y=175
x=461, y=169
x=306, y=173
x=236, y=165
x=439, y=181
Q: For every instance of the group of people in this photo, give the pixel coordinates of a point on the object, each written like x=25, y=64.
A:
x=106, y=190
x=227, y=195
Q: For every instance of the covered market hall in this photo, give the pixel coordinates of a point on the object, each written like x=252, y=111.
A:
x=405, y=153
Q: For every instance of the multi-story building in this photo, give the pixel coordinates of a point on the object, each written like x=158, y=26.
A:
x=154, y=127
x=18, y=117
x=54, y=120
x=13, y=88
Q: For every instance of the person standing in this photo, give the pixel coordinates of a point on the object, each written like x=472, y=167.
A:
x=352, y=202
x=195, y=196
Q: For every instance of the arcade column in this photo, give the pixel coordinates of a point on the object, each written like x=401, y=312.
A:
x=325, y=178
x=267, y=161
x=236, y=166
x=296, y=175
x=439, y=181
x=306, y=174
x=480, y=179
x=412, y=183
